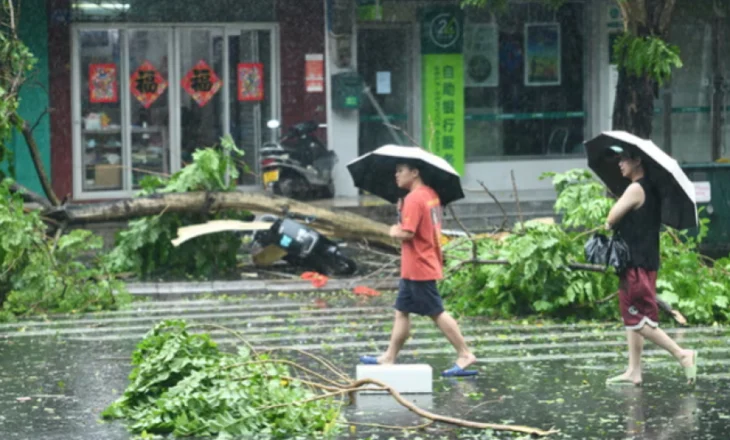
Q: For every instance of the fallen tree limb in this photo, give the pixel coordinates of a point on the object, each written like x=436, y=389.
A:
x=344, y=225
x=451, y=420
x=574, y=266
x=30, y=196
x=37, y=161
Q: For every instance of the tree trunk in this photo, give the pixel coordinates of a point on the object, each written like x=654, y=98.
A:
x=633, y=109
x=340, y=224
x=634, y=106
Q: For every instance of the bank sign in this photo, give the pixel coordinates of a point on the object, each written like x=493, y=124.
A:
x=442, y=36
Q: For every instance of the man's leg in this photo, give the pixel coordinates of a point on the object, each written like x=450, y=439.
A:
x=450, y=329
x=636, y=346
x=656, y=335
x=401, y=329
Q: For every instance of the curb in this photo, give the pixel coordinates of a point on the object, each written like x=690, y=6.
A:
x=177, y=290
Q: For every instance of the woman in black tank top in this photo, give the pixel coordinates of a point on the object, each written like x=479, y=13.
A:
x=636, y=217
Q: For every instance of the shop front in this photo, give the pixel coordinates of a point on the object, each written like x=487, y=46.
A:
x=146, y=97
x=491, y=93
x=137, y=87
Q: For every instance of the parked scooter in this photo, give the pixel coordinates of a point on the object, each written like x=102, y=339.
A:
x=301, y=246
x=298, y=166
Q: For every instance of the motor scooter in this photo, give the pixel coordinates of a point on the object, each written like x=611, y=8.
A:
x=298, y=166
x=299, y=245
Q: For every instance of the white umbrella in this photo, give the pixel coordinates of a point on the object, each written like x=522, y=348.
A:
x=374, y=172
x=679, y=207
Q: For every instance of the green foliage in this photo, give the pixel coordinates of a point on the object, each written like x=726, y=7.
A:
x=40, y=275
x=184, y=385
x=16, y=61
x=145, y=247
x=647, y=56
x=538, y=279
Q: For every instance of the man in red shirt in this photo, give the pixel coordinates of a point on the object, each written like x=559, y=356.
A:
x=421, y=266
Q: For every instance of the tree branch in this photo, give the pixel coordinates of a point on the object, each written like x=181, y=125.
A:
x=504, y=213
x=574, y=266
x=37, y=161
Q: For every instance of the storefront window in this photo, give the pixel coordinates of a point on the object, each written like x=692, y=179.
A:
x=101, y=110
x=149, y=97
x=524, y=81
x=691, y=117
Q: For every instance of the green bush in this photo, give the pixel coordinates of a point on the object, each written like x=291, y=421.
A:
x=145, y=247
x=182, y=384
x=42, y=275
x=539, y=281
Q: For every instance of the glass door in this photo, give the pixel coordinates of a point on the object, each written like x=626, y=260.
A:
x=149, y=109
x=250, y=92
x=145, y=98
x=201, y=68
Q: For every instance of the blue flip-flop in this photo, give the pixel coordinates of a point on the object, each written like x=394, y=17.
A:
x=457, y=371
x=368, y=360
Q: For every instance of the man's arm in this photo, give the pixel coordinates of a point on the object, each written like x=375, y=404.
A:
x=632, y=198
x=410, y=219
x=397, y=232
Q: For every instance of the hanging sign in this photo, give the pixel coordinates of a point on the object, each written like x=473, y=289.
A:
x=250, y=82
x=103, y=83
x=443, y=83
x=147, y=84
x=201, y=83
x=314, y=72
x=542, y=54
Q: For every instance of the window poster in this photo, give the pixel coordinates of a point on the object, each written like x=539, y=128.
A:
x=103, y=83
x=250, y=82
x=542, y=54
x=201, y=83
x=481, y=55
x=147, y=84
x=314, y=72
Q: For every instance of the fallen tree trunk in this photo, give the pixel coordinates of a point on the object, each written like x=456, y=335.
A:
x=344, y=225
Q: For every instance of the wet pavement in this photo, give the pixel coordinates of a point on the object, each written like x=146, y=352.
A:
x=58, y=374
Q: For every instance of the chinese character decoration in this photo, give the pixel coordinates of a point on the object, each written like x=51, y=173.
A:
x=103, y=83
x=250, y=82
x=147, y=84
x=201, y=83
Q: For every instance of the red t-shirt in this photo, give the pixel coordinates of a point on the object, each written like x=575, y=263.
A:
x=421, y=258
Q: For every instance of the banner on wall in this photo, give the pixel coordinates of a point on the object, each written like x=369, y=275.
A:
x=147, y=84
x=481, y=55
x=442, y=39
x=314, y=72
x=542, y=54
x=103, y=83
x=201, y=83
x=250, y=82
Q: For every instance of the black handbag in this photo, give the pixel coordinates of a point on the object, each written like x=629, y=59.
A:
x=613, y=251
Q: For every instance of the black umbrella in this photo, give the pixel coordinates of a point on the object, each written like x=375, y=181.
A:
x=677, y=192
x=374, y=172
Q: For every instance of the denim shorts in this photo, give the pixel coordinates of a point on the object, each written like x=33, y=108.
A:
x=419, y=297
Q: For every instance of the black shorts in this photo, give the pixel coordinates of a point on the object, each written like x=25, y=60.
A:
x=419, y=297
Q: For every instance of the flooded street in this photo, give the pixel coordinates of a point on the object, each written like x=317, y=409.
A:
x=57, y=375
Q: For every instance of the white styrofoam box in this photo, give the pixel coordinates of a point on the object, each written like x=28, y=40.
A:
x=404, y=378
